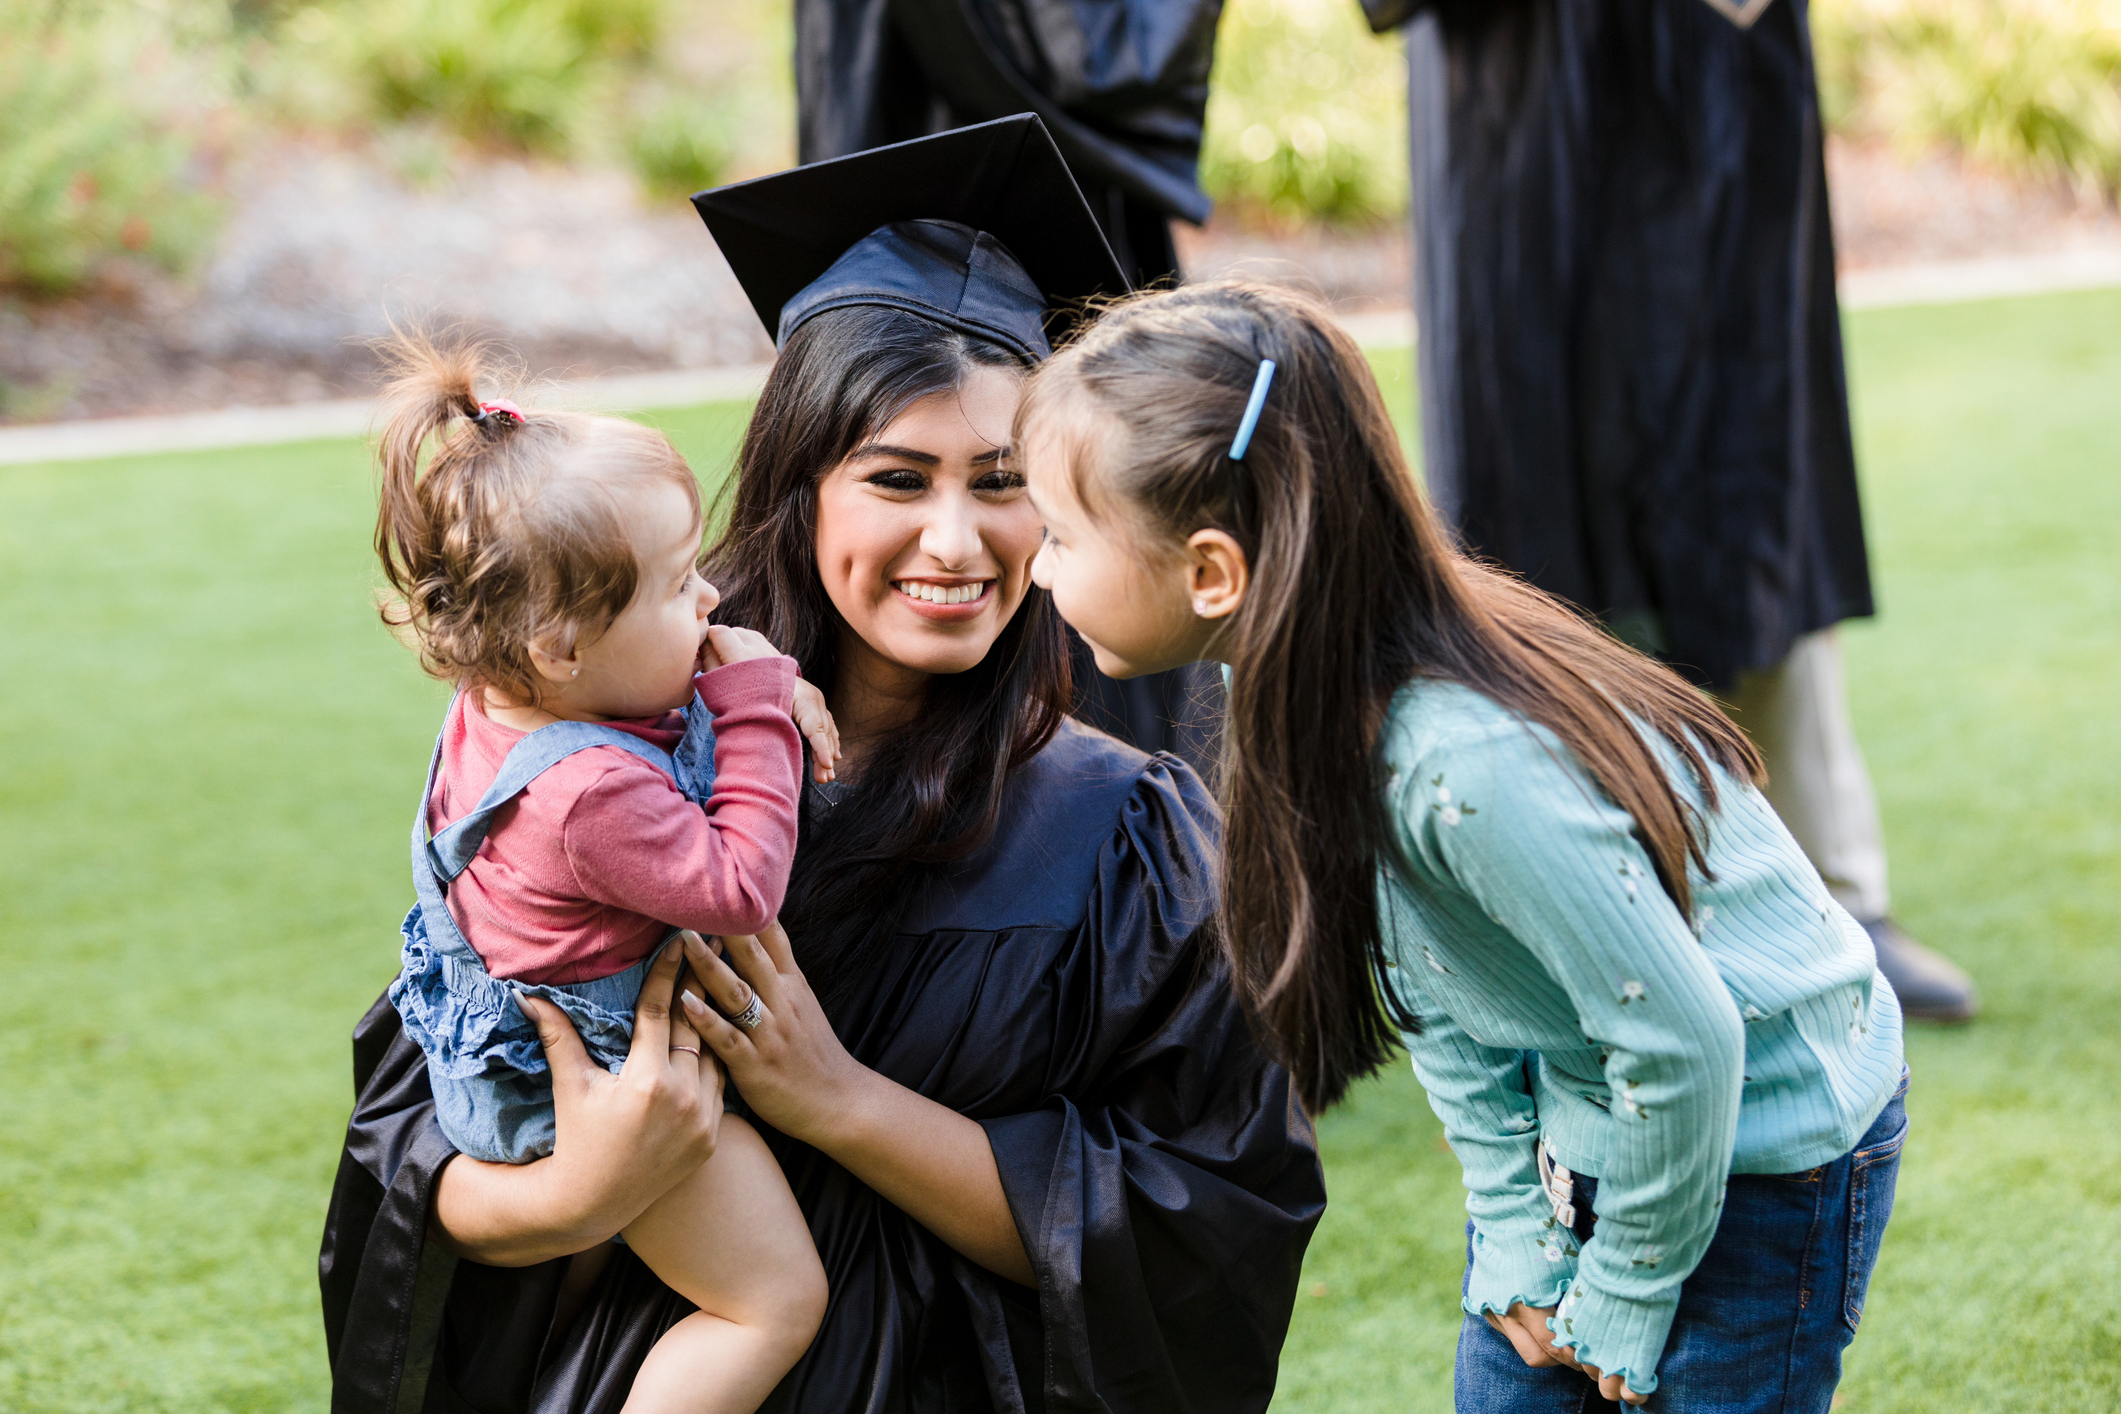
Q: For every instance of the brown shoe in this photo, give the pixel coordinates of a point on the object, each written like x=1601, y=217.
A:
x=1931, y=987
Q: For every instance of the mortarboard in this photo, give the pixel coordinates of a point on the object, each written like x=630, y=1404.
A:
x=981, y=229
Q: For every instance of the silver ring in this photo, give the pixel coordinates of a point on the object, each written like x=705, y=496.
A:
x=752, y=1014
x=693, y=1051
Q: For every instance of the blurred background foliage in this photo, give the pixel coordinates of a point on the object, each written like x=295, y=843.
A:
x=117, y=117
x=1306, y=114
x=106, y=116
x=657, y=86
x=507, y=73
x=2032, y=87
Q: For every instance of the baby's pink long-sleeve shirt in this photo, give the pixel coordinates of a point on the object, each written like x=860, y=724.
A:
x=583, y=873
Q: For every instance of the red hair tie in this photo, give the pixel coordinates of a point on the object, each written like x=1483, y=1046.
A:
x=500, y=407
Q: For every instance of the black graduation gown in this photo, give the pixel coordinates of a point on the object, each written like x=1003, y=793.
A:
x=1057, y=989
x=1122, y=85
x=1630, y=361
x=1179, y=710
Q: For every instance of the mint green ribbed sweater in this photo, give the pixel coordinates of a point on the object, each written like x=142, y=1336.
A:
x=1563, y=994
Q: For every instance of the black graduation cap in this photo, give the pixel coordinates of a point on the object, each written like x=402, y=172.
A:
x=981, y=229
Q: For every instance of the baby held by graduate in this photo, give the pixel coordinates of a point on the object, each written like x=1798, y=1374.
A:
x=613, y=769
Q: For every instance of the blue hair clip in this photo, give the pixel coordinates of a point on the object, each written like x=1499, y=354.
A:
x=1243, y=440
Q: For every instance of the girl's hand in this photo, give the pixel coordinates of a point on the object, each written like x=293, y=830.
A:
x=726, y=645
x=814, y=720
x=1525, y=1327
x=791, y=1068
x=1613, y=1387
x=622, y=1140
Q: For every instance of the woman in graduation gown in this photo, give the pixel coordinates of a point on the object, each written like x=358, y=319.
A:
x=1043, y=1160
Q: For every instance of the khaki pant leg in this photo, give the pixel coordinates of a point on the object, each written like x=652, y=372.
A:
x=1797, y=714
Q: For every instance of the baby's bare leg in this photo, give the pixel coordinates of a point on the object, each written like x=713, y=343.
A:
x=731, y=1240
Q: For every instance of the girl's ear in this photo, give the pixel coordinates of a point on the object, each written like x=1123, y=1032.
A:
x=1217, y=573
x=551, y=666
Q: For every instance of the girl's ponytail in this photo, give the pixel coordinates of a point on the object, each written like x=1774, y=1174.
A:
x=431, y=386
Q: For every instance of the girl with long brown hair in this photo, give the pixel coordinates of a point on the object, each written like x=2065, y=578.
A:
x=1463, y=817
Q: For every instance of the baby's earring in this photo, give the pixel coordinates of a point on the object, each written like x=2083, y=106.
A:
x=576, y=673
x=1200, y=608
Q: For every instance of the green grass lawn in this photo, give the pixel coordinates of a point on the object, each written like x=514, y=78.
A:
x=209, y=748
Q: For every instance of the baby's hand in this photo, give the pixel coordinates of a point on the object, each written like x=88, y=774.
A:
x=814, y=720
x=726, y=645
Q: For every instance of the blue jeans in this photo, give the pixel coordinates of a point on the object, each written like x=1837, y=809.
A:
x=1762, y=1321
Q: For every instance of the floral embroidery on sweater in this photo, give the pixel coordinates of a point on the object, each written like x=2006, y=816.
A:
x=1447, y=808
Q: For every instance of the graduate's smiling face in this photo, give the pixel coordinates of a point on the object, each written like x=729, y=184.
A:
x=925, y=537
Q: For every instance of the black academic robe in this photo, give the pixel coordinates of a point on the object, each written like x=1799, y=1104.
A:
x=1122, y=85
x=1058, y=989
x=1630, y=356
x=1179, y=710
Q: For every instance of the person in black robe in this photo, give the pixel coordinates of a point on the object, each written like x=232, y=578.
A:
x=1124, y=89
x=1631, y=368
x=1040, y=961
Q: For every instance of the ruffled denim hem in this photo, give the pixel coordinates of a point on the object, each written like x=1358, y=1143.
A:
x=468, y=1022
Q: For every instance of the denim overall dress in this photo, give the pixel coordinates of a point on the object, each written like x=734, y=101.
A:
x=492, y=1087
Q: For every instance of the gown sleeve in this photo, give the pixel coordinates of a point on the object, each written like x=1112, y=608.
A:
x=394, y=1304
x=375, y=1229
x=1166, y=1188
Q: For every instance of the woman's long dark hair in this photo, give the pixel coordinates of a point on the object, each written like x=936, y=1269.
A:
x=930, y=793
x=1356, y=591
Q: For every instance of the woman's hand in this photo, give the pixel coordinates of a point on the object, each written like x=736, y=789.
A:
x=622, y=1140
x=930, y=1161
x=791, y=1067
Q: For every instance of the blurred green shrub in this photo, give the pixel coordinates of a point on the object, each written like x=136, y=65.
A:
x=98, y=116
x=680, y=144
x=2029, y=86
x=1306, y=113
x=619, y=29
x=529, y=74
x=576, y=79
